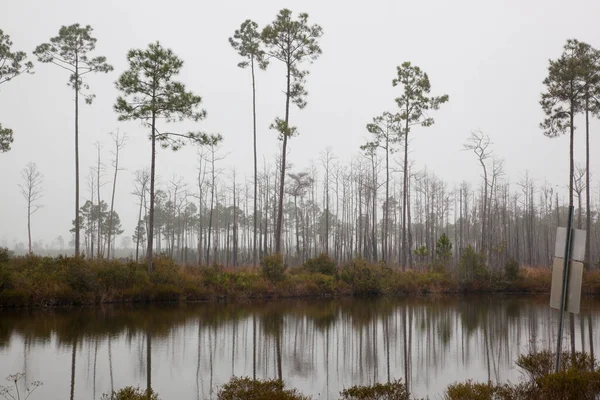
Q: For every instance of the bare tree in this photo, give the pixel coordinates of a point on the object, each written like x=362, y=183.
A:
x=31, y=189
x=327, y=157
x=142, y=178
x=386, y=135
x=297, y=188
x=99, y=170
x=579, y=185
x=370, y=152
x=213, y=146
x=119, y=141
x=202, y=171
x=479, y=143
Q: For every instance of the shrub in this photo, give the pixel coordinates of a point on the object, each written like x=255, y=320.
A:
x=5, y=255
x=79, y=274
x=470, y=391
x=165, y=292
x=362, y=277
x=255, y=389
x=570, y=384
x=540, y=364
x=511, y=270
x=395, y=390
x=580, y=378
x=472, y=265
x=6, y=277
x=165, y=271
x=322, y=264
x=422, y=253
x=131, y=393
x=212, y=274
x=273, y=268
x=115, y=275
x=443, y=252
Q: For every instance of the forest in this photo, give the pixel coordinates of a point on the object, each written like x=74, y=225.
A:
x=378, y=206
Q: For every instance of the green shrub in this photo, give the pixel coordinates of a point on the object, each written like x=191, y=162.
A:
x=273, y=267
x=542, y=363
x=470, y=391
x=443, y=253
x=395, y=390
x=131, y=393
x=422, y=254
x=251, y=389
x=473, y=265
x=212, y=274
x=79, y=274
x=165, y=292
x=511, y=270
x=362, y=277
x=12, y=297
x=570, y=384
x=115, y=275
x=6, y=277
x=5, y=255
x=165, y=271
x=322, y=264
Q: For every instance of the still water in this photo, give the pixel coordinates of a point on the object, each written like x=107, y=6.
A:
x=320, y=347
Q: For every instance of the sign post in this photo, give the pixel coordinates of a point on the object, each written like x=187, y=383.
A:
x=567, y=276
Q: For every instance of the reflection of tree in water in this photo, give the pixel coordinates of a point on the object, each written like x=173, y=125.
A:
x=332, y=343
x=272, y=326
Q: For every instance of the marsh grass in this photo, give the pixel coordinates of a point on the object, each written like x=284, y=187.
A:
x=45, y=281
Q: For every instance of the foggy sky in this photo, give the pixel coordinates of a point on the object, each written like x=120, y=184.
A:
x=489, y=57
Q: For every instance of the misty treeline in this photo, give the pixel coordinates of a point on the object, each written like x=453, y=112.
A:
x=338, y=207
x=377, y=205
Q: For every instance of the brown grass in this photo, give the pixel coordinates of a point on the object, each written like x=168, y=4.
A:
x=34, y=280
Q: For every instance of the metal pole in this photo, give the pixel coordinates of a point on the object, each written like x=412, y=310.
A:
x=565, y=282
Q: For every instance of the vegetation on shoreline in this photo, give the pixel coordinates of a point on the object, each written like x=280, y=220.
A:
x=44, y=281
x=580, y=379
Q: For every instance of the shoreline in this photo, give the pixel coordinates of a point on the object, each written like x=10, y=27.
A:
x=44, y=282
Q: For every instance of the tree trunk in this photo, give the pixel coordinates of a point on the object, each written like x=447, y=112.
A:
x=100, y=249
x=405, y=196
x=374, y=225
x=137, y=237
x=408, y=224
x=73, y=359
x=254, y=249
x=151, y=212
x=77, y=222
x=283, y=157
x=327, y=206
x=588, y=217
x=571, y=159
x=235, y=226
x=297, y=233
x=29, y=218
x=212, y=200
x=148, y=364
x=484, y=211
x=384, y=249
x=112, y=201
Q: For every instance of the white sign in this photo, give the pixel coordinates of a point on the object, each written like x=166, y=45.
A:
x=577, y=244
x=573, y=299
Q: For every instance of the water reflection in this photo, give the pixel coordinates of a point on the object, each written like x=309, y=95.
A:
x=320, y=347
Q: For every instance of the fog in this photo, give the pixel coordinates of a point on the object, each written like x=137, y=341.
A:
x=489, y=57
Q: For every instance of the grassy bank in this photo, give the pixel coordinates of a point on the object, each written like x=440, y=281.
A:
x=45, y=281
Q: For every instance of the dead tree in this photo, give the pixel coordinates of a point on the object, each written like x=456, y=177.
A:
x=31, y=189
